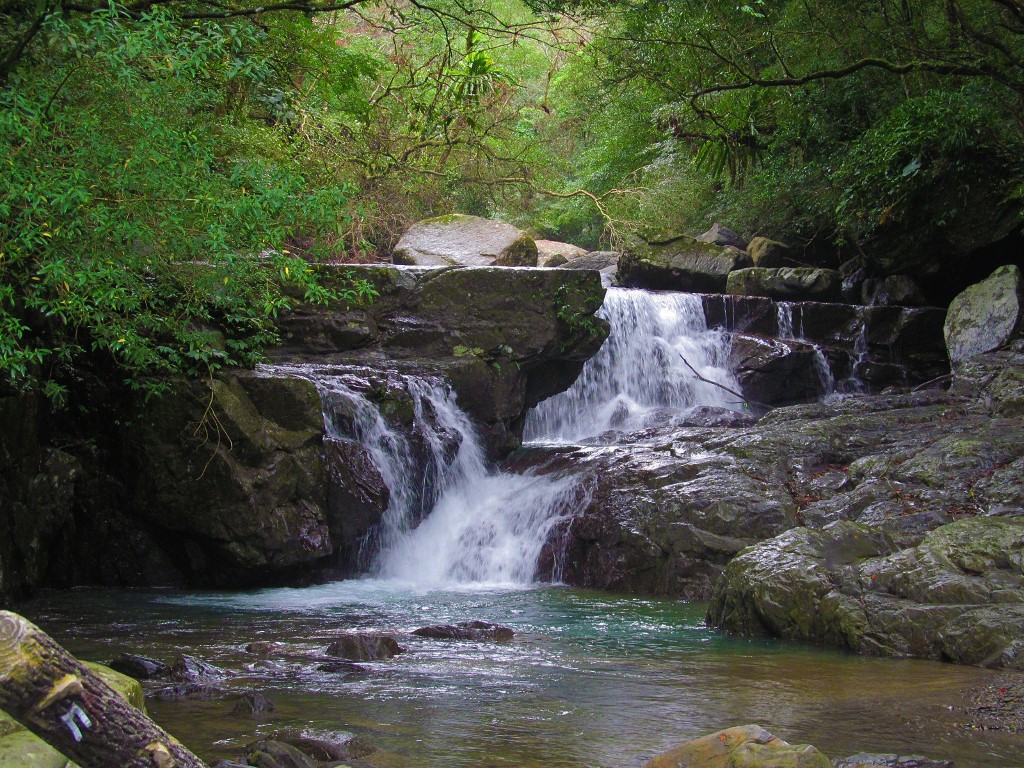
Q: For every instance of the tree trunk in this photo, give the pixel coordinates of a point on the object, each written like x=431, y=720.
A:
x=51, y=693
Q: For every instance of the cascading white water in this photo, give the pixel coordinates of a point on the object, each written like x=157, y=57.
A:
x=478, y=525
x=784, y=317
x=659, y=343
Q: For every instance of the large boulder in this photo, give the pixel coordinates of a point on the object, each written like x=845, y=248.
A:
x=746, y=746
x=985, y=316
x=551, y=253
x=787, y=283
x=680, y=264
x=466, y=241
x=720, y=234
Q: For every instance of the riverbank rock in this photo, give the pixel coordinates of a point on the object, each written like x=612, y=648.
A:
x=139, y=667
x=364, y=646
x=680, y=264
x=551, y=253
x=986, y=316
x=956, y=596
x=466, y=630
x=747, y=746
x=787, y=283
x=466, y=241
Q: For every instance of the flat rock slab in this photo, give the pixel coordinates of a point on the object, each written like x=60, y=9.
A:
x=787, y=283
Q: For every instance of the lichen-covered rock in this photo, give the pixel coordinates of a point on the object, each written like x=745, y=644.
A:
x=681, y=264
x=787, y=283
x=985, y=316
x=746, y=746
x=767, y=253
x=551, y=253
x=467, y=241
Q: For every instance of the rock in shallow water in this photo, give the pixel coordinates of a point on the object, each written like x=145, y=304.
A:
x=364, y=646
x=466, y=630
x=747, y=746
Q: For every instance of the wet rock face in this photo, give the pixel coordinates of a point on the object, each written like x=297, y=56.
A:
x=37, y=488
x=235, y=478
x=504, y=338
x=681, y=264
x=775, y=372
x=665, y=511
x=466, y=630
x=986, y=316
x=466, y=241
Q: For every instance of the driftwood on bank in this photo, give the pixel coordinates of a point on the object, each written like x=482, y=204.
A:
x=56, y=697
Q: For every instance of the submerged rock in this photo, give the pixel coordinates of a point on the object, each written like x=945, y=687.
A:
x=467, y=241
x=876, y=760
x=466, y=630
x=276, y=754
x=326, y=745
x=254, y=703
x=746, y=746
x=364, y=646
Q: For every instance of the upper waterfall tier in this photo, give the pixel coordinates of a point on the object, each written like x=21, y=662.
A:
x=660, y=357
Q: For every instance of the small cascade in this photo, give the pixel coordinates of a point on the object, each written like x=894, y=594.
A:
x=660, y=357
x=784, y=317
x=450, y=519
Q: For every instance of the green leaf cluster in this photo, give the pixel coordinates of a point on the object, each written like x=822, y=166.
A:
x=154, y=175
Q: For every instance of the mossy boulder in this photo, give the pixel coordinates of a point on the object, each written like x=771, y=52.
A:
x=746, y=746
x=468, y=241
x=986, y=316
x=680, y=264
x=958, y=595
x=787, y=283
x=767, y=253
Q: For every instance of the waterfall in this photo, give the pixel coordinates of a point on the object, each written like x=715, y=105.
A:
x=450, y=519
x=643, y=371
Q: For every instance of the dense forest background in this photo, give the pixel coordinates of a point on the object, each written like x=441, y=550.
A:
x=173, y=172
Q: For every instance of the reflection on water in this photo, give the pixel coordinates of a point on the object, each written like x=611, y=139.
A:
x=590, y=680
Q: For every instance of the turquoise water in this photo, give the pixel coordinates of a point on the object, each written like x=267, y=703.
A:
x=590, y=679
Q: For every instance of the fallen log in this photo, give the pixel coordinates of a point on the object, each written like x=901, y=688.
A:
x=55, y=696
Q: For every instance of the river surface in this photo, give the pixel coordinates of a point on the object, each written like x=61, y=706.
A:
x=591, y=679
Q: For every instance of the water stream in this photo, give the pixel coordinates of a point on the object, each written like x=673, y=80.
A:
x=595, y=680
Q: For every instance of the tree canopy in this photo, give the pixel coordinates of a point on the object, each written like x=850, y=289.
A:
x=174, y=172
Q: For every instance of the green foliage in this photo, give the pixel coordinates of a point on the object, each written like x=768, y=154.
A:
x=144, y=215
